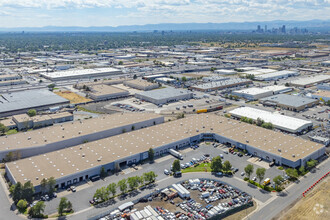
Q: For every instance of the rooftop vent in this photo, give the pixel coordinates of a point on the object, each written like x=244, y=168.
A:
x=279, y=150
x=293, y=155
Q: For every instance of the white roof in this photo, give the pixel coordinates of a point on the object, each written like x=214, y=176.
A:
x=252, y=91
x=79, y=72
x=259, y=71
x=282, y=73
x=280, y=121
x=277, y=88
x=311, y=80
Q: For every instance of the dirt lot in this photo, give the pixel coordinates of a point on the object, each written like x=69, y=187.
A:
x=316, y=205
x=240, y=215
x=72, y=97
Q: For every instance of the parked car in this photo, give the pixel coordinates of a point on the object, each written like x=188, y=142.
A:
x=73, y=188
x=166, y=172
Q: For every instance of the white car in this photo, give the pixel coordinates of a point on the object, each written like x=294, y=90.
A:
x=254, y=178
x=242, y=174
x=166, y=172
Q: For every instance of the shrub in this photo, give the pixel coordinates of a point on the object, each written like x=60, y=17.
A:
x=280, y=168
x=246, y=178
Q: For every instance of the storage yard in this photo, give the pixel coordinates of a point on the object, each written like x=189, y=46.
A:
x=72, y=97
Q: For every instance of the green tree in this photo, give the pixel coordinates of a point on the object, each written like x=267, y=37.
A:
x=17, y=192
x=277, y=180
x=22, y=205
x=226, y=166
x=184, y=78
x=3, y=129
x=287, y=84
x=112, y=188
x=37, y=210
x=249, y=170
x=176, y=166
x=133, y=182
x=28, y=191
x=32, y=112
x=120, y=63
x=62, y=206
x=311, y=164
x=216, y=164
x=292, y=173
x=149, y=177
x=51, y=185
x=260, y=174
x=103, y=173
x=259, y=121
x=102, y=194
x=51, y=86
x=302, y=170
x=44, y=185
x=151, y=154
x=141, y=180
x=122, y=184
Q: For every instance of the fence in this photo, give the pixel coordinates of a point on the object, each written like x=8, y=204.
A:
x=310, y=188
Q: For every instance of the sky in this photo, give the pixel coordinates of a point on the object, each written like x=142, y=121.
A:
x=39, y=13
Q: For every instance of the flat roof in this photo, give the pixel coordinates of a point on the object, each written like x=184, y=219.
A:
x=277, y=88
x=60, y=115
x=22, y=118
x=169, y=92
x=71, y=160
x=79, y=72
x=310, y=80
x=252, y=91
x=277, y=74
x=280, y=121
x=70, y=130
x=29, y=99
x=289, y=100
x=39, y=118
x=259, y=71
x=323, y=93
x=98, y=90
x=216, y=84
x=139, y=82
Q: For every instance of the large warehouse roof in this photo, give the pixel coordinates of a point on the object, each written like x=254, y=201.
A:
x=311, y=80
x=289, y=100
x=165, y=93
x=283, y=122
x=71, y=160
x=29, y=99
x=80, y=72
x=70, y=130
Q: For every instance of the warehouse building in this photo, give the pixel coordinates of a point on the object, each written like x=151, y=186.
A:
x=81, y=73
x=20, y=102
x=74, y=164
x=322, y=95
x=277, y=89
x=324, y=86
x=9, y=77
x=166, y=95
x=153, y=77
x=253, y=93
x=12, y=82
x=99, y=82
x=282, y=122
x=61, y=117
x=224, y=84
x=105, y=92
x=225, y=72
x=214, y=78
x=276, y=75
x=289, y=102
x=141, y=84
x=69, y=134
x=310, y=81
x=258, y=71
x=23, y=121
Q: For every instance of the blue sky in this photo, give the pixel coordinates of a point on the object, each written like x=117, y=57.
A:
x=38, y=13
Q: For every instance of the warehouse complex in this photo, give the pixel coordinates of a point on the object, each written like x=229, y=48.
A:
x=282, y=122
x=276, y=75
x=80, y=73
x=141, y=84
x=166, y=95
x=258, y=93
x=69, y=134
x=218, y=85
x=77, y=163
x=310, y=81
x=20, y=102
x=105, y=92
x=289, y=102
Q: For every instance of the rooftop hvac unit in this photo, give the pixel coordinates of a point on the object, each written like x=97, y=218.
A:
x=279, y=150
x=293, y=155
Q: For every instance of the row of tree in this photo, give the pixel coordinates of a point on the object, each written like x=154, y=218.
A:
x=131, y=183
x=259, y=122
x=218, y=166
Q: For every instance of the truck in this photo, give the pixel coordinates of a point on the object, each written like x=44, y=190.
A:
x=176, y=154
x=266, y=182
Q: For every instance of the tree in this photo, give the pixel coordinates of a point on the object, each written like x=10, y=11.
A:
x=133, y=182
x=226, y=166
x=151, y=154
x=277, y=180
x=287, y=84
x=249, y=170
x=17, y=192
x=302, y=170
x=112, y=188
x=32, y=112
x=37, y=210
x=260, y=174
x=135, y=76
x=62, y=206
x=216, y=164
x=43, y=185
x=122, y=184
x=120, y=63
x=22, y=205
x=51, y=86
x=103, y=173
x=176, y=166
x=3, y=129
x=28, y=191
x=102, y=194
x=51, y=185
x=149, y=177
x=292, y=173
x=311, y=164
x=184, y=78
x=259, y=121
x=141, y=180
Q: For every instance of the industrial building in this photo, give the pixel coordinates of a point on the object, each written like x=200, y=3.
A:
x=153, y=77
x=69, y=134
x=277, y=89
x=141, y=84
x=225, y=72
x=310, y=81
x=257, y=71
x=253, y=93
x=20, y=102
x=230, y=83
x=74, y=164
x=165, y=80
x=9, y=77
x=99, y=82
x=289, y=102
x=80, y=73
x=12, y=82
x=166, y=95
x=322, y=95
x=324, y=86
x=282, y=122
x=276, y=75
x=105, y=92
x=214, y=78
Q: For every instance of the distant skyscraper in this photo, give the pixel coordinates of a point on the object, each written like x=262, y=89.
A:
x=265, y=28
x=283, y=29
x=259, y=29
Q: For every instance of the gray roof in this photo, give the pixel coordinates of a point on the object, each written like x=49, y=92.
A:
x=290, y=100
x=164, y=93
x=29, y=99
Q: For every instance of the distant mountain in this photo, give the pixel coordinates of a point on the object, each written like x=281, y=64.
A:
x=243, y=26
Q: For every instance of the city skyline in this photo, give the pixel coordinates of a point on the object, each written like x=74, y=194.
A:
x=86, y=13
